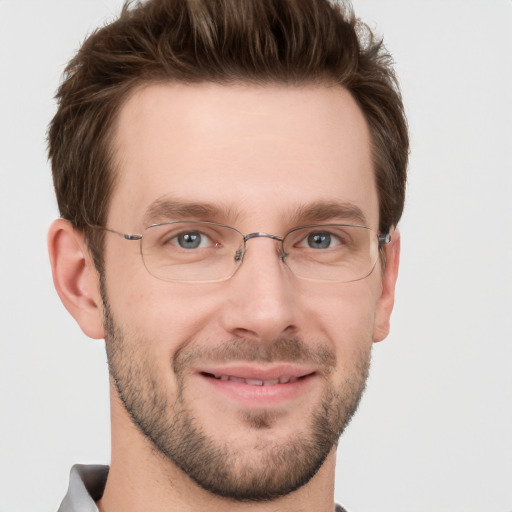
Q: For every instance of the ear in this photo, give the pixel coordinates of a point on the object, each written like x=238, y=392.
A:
x=387, y=296
x=75, y=277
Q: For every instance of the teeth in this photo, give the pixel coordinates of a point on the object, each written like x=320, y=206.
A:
x=254, y=382
x=257, y=382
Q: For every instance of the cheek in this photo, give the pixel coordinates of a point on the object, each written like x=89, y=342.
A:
x=348, y=322
x=166, y=315
x=345, y=315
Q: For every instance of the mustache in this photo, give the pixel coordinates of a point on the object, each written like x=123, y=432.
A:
x=291, y=349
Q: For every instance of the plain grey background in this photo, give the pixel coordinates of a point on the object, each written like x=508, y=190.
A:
x=434, y=431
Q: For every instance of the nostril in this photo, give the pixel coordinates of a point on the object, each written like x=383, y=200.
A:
x=243, y=333
x=291, y=330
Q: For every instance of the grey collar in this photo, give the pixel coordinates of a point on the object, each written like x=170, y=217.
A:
x=86, y=486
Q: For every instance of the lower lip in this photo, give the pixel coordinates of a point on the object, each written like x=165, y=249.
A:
x=260, y=395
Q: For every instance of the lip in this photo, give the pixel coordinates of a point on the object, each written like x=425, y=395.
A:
x=258, y=385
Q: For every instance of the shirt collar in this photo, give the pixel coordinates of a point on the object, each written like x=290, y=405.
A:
x=86, y=485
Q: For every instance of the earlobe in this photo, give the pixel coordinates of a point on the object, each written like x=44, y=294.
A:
x=75, y=277
x=386, y=299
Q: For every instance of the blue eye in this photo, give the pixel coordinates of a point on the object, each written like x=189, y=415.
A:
x=321, y=240
x=190, y=240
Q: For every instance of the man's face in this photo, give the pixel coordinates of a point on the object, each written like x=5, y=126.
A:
x=261, y=159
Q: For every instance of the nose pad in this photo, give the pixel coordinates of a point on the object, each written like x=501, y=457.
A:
x=242, y=250
x=239, y=254
x=280, y=252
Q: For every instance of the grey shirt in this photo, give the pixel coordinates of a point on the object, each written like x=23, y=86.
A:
x=86, y=486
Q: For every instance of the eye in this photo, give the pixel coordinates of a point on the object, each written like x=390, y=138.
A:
x=192, y=240
x=320, y=240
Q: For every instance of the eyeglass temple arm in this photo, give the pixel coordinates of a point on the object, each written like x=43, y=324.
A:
x=126, y=236
x=384, y=239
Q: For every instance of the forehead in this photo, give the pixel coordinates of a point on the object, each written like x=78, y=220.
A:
x=259, y=153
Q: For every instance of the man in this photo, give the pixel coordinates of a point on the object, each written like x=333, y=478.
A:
x=229, y=175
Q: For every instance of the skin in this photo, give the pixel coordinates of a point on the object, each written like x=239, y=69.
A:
x=262, y=154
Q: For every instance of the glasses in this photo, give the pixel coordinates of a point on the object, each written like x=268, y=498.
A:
x=207, y=252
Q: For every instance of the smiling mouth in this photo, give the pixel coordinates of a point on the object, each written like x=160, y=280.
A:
x=256, y=382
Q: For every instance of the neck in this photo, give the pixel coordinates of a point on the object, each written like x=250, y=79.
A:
x=141, y=478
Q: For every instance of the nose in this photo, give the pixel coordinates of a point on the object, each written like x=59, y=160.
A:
x=261, y=301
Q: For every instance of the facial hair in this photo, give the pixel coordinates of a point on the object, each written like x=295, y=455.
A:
x=168, y=421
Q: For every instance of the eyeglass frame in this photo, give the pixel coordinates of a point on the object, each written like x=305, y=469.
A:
x=382, y=239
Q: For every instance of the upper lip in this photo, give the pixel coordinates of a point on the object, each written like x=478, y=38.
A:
x=252, y=372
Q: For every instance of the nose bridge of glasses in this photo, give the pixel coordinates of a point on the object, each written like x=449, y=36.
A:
x=259, y=234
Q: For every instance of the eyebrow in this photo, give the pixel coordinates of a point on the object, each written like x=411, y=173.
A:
x=322, y=211
x=166, y=208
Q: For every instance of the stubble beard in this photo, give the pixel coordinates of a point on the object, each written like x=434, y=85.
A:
x=267, y=471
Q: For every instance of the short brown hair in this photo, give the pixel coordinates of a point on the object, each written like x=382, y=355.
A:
x=222, y=41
